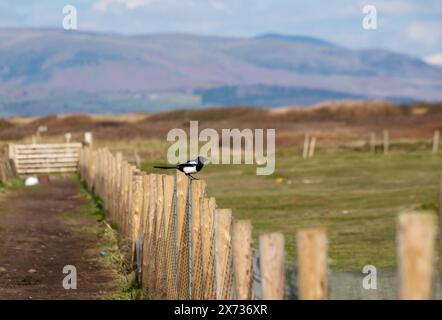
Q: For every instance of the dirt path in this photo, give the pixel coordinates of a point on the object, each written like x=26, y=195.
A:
x=40, y=233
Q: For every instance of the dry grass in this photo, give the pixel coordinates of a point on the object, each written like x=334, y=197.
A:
x=332, y=122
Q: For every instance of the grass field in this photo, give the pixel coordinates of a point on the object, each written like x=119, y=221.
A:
x=356, y=196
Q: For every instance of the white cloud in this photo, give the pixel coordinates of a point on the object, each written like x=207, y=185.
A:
x=428, y=32
x=435, y=59
x=103, y=5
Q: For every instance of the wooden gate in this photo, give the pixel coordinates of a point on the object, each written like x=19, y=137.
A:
x=45, y=158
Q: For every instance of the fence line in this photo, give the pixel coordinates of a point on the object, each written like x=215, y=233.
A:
x=183, y=246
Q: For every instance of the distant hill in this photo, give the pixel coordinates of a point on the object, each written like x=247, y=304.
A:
x=53, y=71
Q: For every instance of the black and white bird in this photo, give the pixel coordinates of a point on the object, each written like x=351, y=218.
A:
x=192, y=166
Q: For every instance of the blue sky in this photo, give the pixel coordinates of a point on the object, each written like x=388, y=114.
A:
x=408, y=26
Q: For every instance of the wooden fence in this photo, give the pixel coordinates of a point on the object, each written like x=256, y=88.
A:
x=7, y=170
x=184, y=247
x=45, y=158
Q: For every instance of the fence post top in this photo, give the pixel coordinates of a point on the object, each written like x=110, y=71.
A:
x=416, y=217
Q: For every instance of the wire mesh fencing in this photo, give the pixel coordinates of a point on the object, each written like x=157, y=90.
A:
x=182, y=246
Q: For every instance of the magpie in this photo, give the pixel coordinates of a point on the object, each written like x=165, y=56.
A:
x=192, y=166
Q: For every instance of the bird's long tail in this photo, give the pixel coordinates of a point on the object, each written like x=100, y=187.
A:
x=166, y=167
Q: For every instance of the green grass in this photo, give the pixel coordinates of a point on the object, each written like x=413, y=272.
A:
x=10, y=185
x=356, y=196
x=127, y=288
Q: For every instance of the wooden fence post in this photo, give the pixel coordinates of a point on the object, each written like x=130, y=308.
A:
x=170, y=245
x=121, y=191
x=306, y=145
x=386, y=141
x=183, y=224
x=88, y=140
x=440, y=218
x=242, y=258
x=118, y=182
x=159, y=239
x=137, y=158
x=271, y=249
x=436, y=136
x=147, y=256
x=151, y=232
x=128, y=202
x=223, y=254
x=416, y=235
x=208, y=247
x=11, y=153
x=112, y=188
x=198, y=192
x=144, y=206
x=135, y=213
x=312, y=264
x=3, y=174
x=67, y=137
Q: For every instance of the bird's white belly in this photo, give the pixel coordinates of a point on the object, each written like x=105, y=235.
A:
x=189, y=170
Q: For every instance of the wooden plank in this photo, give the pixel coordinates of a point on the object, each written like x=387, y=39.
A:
x=47, y=151
x=242, y=258
x=436, y=137
x=223, y=253
x=160, y=242
x=271, y=249
x=51, y=160
x=183, y=249
x=26, y=163
x=416, y=237
x=312, y=264
x=50, y=145
x=306, y=145
x=46, y=170
x=208, y=247
x=31, y=163
x=171, y=245
x=169, y=182
x=47, y=156
x=11, y=149
x=47, y=165
x=151, y=221
x=135, y=212
x=46, y=146
x=144, y=231
x=198, y=191
x=182, y=186
x=440, y=221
